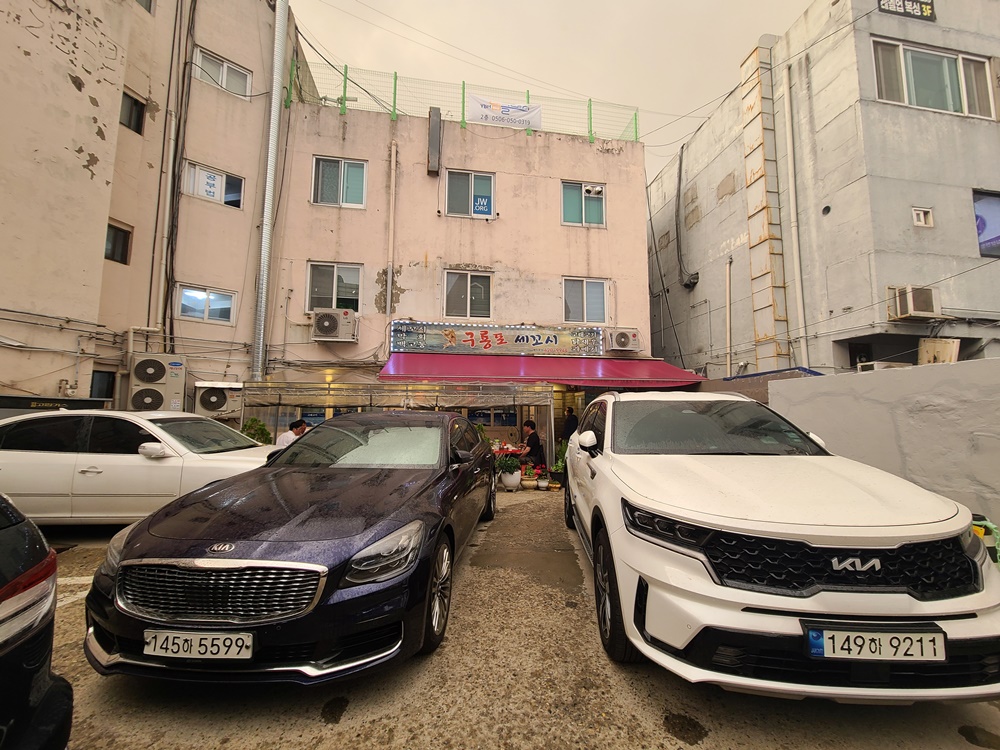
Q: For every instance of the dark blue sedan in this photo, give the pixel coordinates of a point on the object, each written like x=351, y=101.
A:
x=334, y=557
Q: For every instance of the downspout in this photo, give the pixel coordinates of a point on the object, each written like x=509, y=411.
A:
x=161, y=288
x=729, y=317
x=391, y=250
x=793, y=209
x=267, y=221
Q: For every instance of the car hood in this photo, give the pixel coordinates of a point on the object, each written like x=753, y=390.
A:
x=806, y=491
x=251, y=457
x=289, y=504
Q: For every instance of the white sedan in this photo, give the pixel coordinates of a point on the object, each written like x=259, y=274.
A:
x=99, y=466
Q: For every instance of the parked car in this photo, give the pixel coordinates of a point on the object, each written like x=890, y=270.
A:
x=731, y=548
x=36, y=706
x=333, y=558
x=99, y=466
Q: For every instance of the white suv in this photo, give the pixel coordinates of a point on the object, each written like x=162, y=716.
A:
x=730, y=547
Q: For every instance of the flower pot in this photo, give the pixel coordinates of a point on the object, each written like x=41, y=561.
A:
x=510, y=480
x=529, y=484
x=557, y=476
x=543, y=484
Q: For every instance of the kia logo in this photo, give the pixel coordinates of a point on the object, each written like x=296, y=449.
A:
x=855, y=564
x=221, y=547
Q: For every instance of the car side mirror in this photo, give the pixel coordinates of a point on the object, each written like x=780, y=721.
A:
x=154, y=450
x=460, y=458
x=588, y=442
x=273, y=453
x=818, y=440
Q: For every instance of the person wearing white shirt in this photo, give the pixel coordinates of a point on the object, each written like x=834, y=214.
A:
x=295, y=430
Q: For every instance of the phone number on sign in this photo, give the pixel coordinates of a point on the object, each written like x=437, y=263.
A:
x=505, y=120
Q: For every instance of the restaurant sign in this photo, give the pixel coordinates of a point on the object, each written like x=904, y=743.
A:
x=922, y=9
x=451, y=338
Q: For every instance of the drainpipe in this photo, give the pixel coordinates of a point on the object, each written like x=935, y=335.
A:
x=391, y=252
x=729, y=317
x=793, y=209
x=161, y=289
x=267, y=222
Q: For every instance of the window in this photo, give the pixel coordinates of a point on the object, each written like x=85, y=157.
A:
x=133, y=113
x=339, y=182
x=215, y=185
x=117, y=243
x=49, y=434
x=147, y=4
x=467, y=295
x=923, y=217
x=334, y=285
x=206, y=304
x=102, y=384
x=987, y=209
x=220, y=73
x=932, y=80
x=470, y=194
x=583, y=300
x=583, y=204
x=112, y=435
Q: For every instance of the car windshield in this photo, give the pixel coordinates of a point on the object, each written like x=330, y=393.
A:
x=204, y=435
x=350, y=444
x=705, y=427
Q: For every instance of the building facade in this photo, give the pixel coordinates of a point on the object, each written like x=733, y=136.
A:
x=841, y=206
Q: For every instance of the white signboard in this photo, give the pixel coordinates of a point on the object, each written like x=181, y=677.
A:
x=480, y=109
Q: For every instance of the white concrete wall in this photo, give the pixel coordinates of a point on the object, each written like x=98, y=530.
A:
x=936, y=425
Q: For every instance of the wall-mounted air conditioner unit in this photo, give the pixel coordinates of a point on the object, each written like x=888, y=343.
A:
x=870, y=366
x=622, y=340
x=334, y=324
x=931, y=351
x=221, y=400
x=157, y=382
x=913, y=302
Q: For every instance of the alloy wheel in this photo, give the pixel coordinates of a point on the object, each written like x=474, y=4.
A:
x=440, y=589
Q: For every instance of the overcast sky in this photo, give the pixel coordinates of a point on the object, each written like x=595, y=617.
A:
x=666, y=57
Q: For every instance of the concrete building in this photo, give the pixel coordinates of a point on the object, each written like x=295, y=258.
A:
x=842, y=205
x=400, y=242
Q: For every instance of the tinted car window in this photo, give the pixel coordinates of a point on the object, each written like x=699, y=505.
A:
x=48, y=434
x=600, y=417
x=111, y=435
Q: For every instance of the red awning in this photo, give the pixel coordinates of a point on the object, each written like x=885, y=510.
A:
x=580, y=371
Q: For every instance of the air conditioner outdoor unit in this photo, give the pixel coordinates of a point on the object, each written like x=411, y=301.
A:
x=870, y=366
x=622, y=340
x=157, y=382
x=223, y=400
x=334, y=324
x=913, y=302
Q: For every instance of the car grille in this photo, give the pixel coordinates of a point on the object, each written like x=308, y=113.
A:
x=938, y=569
x=244, y=595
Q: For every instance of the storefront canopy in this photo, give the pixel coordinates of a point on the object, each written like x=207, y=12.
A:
x=590, y=372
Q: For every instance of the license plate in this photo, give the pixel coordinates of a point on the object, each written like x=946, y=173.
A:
x=876, y=645
x=198, y=645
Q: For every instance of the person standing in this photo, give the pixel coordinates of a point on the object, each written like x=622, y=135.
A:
x=295, y=430
x=570, y=425
x=532, y=451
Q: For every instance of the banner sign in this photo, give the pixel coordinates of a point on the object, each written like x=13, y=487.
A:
x=448, y=338
x=922, y=9
x=987, y=207
x=480, y=109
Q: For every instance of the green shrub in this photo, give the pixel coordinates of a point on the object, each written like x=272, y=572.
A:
x=254, y=429
x=508, y=464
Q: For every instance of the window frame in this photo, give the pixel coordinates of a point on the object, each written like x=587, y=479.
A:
x=119, y=230
x=201, y=72
x=905, y=74
x=564, y=184
x=468, y=294
x=471, y=214
x=208, y=291
x=146, y=5
x=584, y=280
x=191, y=181
x=342, y=185
x=136, y=119
x=335, y=297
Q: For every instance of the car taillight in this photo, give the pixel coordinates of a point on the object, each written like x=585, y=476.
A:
x=27, y=600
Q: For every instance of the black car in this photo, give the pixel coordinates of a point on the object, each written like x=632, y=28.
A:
x=36, y=706
x=334, y=557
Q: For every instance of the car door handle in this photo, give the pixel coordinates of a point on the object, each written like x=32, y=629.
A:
x=593, y=473
x=91, y=470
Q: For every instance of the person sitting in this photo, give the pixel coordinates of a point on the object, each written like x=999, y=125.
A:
x=295, y=430
x=532, y=451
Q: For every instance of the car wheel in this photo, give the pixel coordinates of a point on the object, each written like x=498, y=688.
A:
x=438, y=597
x=568, y=507
x=490, y=511
x=609, y=608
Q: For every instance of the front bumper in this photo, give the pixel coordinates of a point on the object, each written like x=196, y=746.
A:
x=349, y=631
x=754, y=642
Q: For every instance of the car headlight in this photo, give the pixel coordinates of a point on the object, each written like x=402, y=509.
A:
x=389, y=557
x=660, y=528
x=113, y=556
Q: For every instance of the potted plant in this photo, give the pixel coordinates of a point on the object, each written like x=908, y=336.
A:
x=558, y=473
x=529, y=477
x=509, y=469
x=542, y=476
